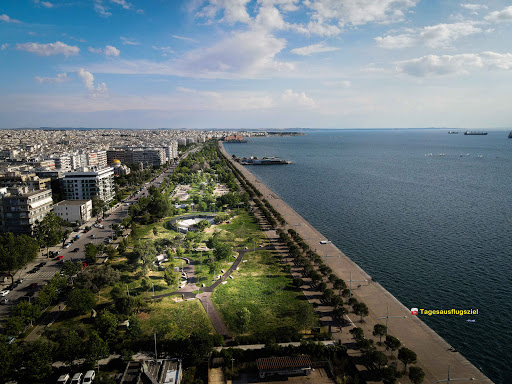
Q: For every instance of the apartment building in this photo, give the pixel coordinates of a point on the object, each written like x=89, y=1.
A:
x=21, y=209
x=86, y=184
x=30, y=180
x=74, y=210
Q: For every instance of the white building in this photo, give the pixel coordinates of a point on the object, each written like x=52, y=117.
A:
x=74, y=210
x=85, y=185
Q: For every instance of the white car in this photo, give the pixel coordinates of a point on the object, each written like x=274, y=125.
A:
x=325, y=242
x=4, y=292
x=63, y=379
x=77, y=378
x=89, y=377
x=67, y=245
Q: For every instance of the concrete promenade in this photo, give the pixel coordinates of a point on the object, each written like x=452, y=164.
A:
x=434, y=355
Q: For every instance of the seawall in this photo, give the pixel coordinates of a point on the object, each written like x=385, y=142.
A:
x=434, y=353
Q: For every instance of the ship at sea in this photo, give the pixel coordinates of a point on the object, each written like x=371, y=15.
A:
x=475, y=133
x=510, y=135
x=263, y=161
x=453, y=132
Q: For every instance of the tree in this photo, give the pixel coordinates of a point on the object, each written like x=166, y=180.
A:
x=145, y=284
x=70, y=347
x=28, y=312
x=357, y=333
x=379, y=330
x=416, y=375
x=202, y=225
x=95, y=348
x=392, y=343
x=81, y=301
x=49, y=231
x=16, y=252
x=90, y=252
x=222, y=251
x=145, y=251
x=71, y=268
x=406, y=356
x=360, y=309
x=134, y=330
x=379, y=358
x=339, y=312
x=106, y=324
x=171, y=277
x=155, y=231
x=98, y=206
x=243, y=319
x=37, y=361
x=390, y=374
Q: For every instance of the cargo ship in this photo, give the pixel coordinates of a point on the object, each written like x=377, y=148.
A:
x=264, y=161
x=453, y=132
x=510, y=135
x=475, y=133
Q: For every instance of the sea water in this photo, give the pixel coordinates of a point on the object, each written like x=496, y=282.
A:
x=426, y=213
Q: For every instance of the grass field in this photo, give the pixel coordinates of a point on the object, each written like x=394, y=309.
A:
x=266, y=291
x=172, y=319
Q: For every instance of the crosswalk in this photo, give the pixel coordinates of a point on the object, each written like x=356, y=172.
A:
x=40, y=275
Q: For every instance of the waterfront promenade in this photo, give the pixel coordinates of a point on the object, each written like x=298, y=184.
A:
x=434, y=354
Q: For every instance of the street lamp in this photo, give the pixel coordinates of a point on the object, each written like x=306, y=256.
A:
x=387, y=317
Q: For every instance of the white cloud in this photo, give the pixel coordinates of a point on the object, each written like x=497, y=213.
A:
x=127, y=41
x=111, y=51
x=234, y=10
x=100, y=9
x=285, y=5
x=359, y=12
x=185, y=38
x=499, y=16
x=5, y=46
x=88, y=81
x=473, y=7
x=122, y=3
x=61, y=78
x=45, y=4
x=165, y=50
x=270, y=18
x=299, y=98
x=338, y=83
x=314, y=48
x=435, y=36
x=7, y=19
x=244, y=54
x=49, y=49
x=433, y=65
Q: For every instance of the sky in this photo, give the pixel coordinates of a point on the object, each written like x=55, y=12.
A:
x=255, y=63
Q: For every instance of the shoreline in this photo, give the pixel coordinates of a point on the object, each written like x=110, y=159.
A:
x=433, y=351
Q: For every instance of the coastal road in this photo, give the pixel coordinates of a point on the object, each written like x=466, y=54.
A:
x=434, y=354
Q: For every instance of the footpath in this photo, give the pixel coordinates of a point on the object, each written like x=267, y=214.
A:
x=435, y=355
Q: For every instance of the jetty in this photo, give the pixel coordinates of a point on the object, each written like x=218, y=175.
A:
x=435, y=356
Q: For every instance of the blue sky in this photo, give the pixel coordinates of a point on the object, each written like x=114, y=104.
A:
x=255, y=63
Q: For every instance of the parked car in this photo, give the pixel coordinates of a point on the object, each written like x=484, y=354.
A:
x=63, y=379
x=5, y=301
x=5, y=292
x=89, y=377
x=32, y=286
x=10, y=340
x=41, y=264
x=75, y=250
x=67, y=245
x=77, y=378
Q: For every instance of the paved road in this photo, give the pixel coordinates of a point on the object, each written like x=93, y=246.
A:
x=433, y=352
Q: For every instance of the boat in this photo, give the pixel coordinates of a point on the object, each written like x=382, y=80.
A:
x=510, y=135
x=475, y=133
x=264, y=161
x=453, y=132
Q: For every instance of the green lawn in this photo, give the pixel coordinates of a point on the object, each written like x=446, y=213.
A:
x=175, y=320
x=266, y=291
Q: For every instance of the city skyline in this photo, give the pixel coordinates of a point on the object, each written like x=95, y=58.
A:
x=255, y=64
